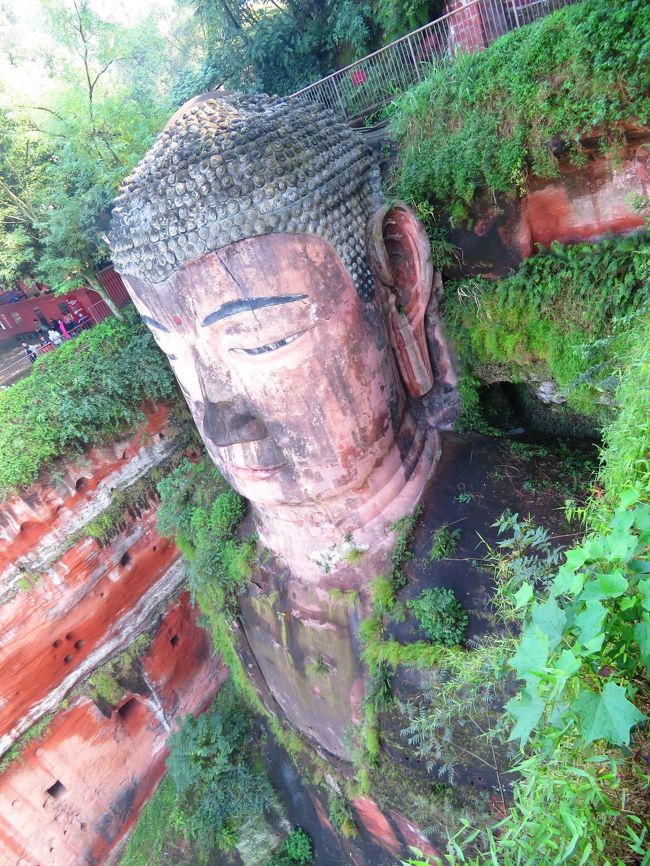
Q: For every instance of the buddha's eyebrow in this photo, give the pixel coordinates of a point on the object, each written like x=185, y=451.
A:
x=245, y=305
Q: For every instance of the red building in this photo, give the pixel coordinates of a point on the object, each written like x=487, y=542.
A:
x=17, y=318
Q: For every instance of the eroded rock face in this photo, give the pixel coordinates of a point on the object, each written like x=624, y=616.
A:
x=584, y=203
x=72, y=797
x=35, y=527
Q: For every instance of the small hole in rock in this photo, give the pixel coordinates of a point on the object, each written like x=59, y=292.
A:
x=78, y=644
x=57, y=643
x=69, y=635
x=80, y=483
x=67, y=660
x=128, y=708
x=174, y=640
x=125, y=559
x=56, y=790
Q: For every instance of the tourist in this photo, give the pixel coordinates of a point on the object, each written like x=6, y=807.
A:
x=55, y=337
x=30, y=351
x=63, y=331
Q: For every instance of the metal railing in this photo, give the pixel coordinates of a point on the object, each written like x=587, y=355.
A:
x=368, y=84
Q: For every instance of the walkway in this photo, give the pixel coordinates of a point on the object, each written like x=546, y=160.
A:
x=471, y=25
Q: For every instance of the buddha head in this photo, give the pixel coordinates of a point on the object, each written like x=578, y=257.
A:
x=287, y=297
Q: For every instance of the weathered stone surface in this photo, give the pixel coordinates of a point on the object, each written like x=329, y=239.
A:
x=584, y=203
x=73, y=796
x=294, y=371
x=35, y=527
x=88, y=607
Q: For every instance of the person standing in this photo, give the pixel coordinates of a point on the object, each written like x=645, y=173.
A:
x=30, y=351
x=55, y=337
x=63, y=331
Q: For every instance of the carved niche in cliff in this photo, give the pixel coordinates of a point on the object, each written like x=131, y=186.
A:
x=290, y=302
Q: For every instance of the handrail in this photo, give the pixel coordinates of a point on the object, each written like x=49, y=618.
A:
x=372, y=81
x=387, y=47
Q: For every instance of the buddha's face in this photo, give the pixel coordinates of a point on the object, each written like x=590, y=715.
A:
x=287, y=372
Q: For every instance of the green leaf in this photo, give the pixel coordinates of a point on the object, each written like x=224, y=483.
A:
x=612, y=584
x=531, y=655
x=644, y=589
x=567, y=582
x=551, y=620
x=607, y=716
x=589, y=625
x=642, y=637
x=568, y=663
x=523, y=594
x=526, y=709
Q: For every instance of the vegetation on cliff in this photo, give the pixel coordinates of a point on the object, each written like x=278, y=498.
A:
x=483, y=123
x=569, y=314
x=89, y=391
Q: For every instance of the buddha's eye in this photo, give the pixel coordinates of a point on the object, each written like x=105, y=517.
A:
x=269, y=347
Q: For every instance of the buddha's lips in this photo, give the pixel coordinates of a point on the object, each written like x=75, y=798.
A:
x=256, y=472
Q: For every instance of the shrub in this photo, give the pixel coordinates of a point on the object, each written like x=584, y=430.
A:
x=444, y=543
x=486, y=120
x=440, y=615
x=209, y=763
x=89, y=390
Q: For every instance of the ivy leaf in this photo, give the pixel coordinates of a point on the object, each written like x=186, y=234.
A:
x=550, y=619
x=526, y=709
x=642, y=637
x=607, y=716
x=589, y=624
x=612, y=584
x=531, y=655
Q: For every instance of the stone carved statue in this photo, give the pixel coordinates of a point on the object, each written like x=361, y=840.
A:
x=290, y=301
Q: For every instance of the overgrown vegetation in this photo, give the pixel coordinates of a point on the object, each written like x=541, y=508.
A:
x=215, y=784
x=210, y=763
x=297, y=850
x=34, y=732
x=440, y=615
x=483, y=123
x=89, y=391
x=570, y=314
x=444, y=542
x=104, y=683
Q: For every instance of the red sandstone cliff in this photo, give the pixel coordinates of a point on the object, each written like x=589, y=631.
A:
x=67, y=605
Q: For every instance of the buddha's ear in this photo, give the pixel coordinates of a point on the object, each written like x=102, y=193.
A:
x=400, y=257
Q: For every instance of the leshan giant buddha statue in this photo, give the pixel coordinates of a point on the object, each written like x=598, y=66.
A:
x=289, y=300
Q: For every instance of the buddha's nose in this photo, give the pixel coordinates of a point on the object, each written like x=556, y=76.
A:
x=231, y=421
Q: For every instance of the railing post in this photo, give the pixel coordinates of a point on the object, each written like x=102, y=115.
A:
x=515, y=11
x=340, y=98
x=414, y=58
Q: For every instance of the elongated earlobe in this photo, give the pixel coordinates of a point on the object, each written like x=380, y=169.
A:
x=400, y=258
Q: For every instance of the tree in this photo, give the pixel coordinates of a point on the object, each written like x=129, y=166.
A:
x=109, y=97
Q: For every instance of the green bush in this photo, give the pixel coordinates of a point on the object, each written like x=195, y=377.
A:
x=444, y=543
x=488, y=119
x=570, y=313
x=211, y=768
x=89, y=390
x=440, y=615
x=297, y=850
